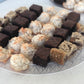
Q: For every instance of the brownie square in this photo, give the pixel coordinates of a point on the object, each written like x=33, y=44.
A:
x=70, y=25
x=59, y=32
x=59, y=1
x=4, y=40
x=73, y=16
x=10, y=30
x=20, y=21
x=36, y=8
x=42, y=57
x=53, y=42
x=29, y=15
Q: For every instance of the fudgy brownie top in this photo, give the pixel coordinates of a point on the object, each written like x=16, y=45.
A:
x=10, y=29
x=60, y=32
x=20, y=21
x=36, y=8
x=29, y=14
x=53, y=42
x=3, y=36
x=43, y=53
x=73, y=16
x=69, y=24
x=59, y=1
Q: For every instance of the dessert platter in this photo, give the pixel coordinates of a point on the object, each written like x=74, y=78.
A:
x=40, y=40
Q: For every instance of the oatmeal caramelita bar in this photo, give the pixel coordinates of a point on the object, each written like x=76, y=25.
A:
x=68, y=47
x=58, y=55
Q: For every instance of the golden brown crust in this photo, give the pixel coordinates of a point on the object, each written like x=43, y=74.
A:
x=58, y=56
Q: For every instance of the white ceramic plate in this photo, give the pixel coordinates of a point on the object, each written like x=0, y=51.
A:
x=52, y=67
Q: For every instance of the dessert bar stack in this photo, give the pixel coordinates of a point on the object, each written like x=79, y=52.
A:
x=40, y=36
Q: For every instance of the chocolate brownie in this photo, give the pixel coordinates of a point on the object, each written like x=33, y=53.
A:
x=73, y=16
x=4, y=39
x=36, y=8
x=59, y=1
x=60, y=32
x=70, y=25
x=53, y=42
x=42, y=57
x=29, y=15
x=20, y=21
x=10, y=30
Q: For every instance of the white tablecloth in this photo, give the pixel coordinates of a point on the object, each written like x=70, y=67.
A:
x=74, y=75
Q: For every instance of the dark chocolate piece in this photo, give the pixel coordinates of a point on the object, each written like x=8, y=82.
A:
x=59, y=1
x=10, y=30
x=73, y=16
x=36, y=8
x=29, y=15
x=20, y=21
x=60, y=32
x=4, y=39
x=70, y=25
x=53, y=42
x=42, y=57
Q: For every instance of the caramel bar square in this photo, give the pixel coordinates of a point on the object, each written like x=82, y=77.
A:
x=77, y=39
x=58, y=56
x=68, y=47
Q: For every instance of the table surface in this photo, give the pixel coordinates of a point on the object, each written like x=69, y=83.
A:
x=74, y=75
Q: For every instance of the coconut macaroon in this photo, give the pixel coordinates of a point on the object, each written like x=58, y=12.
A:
x=35, y=26
x=69, y=4
x=27, y=31
x=38, y=40
x=15, y=44
x=26, y=34
x=63, y=13
x=57, y=21
x=4, y=54
x=51, y=11
x=44, y=17
x=77, y=39
x=28, y=50
x=21, y=9
x=79, y=8
x=19, y=62
x=48, y=29
x=10, y=15
x=80, y=28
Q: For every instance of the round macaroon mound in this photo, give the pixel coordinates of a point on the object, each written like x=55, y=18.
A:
x=27, y=31
x=28, y=50
x=15, y=44
x=19, y=62
x=35, y=26
x=48, y=29
x=51, y=11
x=57, y=21
x=26, y=34
x=44, y=17
x=38, y=40
x=4, y=54
x=63, y=14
